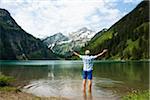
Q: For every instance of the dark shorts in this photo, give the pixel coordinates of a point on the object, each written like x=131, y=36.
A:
x=87, y=74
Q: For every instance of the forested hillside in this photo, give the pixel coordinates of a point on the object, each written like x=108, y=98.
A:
x=15, y=43
x=126, y=39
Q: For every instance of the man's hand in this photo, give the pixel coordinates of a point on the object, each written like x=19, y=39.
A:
x=105, y=50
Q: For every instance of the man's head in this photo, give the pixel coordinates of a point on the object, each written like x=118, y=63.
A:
x=87, y=52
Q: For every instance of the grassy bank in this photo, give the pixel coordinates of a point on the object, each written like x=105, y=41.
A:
x=137, y=95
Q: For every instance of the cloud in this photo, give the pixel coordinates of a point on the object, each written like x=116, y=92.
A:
x=43, y=18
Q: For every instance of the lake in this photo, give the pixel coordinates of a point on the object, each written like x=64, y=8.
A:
x=111, y=79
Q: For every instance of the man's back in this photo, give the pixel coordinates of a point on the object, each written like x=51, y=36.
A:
x=88, y=62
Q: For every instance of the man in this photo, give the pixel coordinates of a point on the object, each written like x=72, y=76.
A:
x=88, y=67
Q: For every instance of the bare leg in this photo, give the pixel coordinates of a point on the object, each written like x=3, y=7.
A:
x=84, y=96
x=89, y=86
x=84, y=85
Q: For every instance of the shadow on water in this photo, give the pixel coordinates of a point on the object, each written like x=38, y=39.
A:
x=64, y=78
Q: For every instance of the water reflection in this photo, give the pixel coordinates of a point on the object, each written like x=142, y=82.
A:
x=51, y=72
x=130, y=73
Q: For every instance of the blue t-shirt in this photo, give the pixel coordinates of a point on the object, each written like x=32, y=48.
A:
x=87, y=62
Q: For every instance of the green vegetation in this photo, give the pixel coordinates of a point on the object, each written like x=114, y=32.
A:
x=5, y=83
x=5, y=80
x=145, y=95
x=126, y=39
x=102, y=39
x=8, y=88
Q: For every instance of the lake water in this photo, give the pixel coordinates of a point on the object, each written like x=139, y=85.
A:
x=111, y=79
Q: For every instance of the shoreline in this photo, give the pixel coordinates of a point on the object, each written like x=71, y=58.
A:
x=13, y=95
x=14, y=91
x=19, y=94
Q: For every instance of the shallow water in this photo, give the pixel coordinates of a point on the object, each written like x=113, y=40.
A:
x=111, y=79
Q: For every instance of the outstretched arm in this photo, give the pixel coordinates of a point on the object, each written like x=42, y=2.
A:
x=75, y=53
x=105, y=50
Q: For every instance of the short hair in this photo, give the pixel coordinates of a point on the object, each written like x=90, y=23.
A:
x=87, y=52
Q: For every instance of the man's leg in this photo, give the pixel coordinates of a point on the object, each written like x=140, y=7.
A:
x=89, y=85
x=84, y=85
x=84, y=73
x=90, y=81
x=84, y=96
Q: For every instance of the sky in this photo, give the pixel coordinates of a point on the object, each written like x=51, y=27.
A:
x=43, y=18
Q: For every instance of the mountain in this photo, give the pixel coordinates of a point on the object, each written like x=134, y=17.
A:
x=83, y=34
x=15, y=43
x=75, y=40
x=126, y=39
x=96, y=36
x=55, y=39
